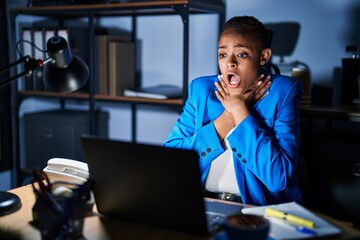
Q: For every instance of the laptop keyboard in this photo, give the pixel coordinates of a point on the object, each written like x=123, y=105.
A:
x=215, y=220
x=216, y=213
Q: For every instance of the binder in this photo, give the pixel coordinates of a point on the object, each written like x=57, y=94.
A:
x=27, y=51
x=38, y=53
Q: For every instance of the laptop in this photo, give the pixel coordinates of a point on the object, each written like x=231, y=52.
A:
x=153, y=185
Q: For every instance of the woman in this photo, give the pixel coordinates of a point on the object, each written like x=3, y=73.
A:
x=244, y=126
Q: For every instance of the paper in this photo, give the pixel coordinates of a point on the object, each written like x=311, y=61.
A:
x=280, y=229
x=162, y=91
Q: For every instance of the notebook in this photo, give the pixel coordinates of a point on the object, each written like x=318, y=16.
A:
x=152, y=185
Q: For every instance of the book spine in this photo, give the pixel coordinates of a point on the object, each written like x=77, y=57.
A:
x=112, y=68
x=121, y=67
x=101, y=71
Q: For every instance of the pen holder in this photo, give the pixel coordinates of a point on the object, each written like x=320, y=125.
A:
x=246, y=226
x=61, y=216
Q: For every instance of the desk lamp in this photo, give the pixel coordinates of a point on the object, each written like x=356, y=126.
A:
x=63, y=72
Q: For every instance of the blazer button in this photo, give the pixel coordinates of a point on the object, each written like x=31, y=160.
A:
x=233, y=149
x=203, y=154
x=208, y=150
x=239, y=155
x=244, y=160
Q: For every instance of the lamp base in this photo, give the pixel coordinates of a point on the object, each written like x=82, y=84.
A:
x=9, y=203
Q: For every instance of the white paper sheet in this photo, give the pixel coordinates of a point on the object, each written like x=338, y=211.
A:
x=280, y=229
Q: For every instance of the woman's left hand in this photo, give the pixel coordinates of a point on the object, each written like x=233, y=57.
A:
x=261, y=90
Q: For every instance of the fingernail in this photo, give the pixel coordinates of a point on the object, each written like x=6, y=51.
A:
x=259, y=83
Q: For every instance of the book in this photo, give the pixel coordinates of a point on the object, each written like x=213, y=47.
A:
x=102, y=61
x=281, y=229
x=121, y=67
x=162, y=91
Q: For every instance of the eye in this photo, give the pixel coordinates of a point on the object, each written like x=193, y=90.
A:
x=242, y=55
x=221, y=55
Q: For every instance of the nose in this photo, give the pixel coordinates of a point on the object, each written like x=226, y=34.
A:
x=231, y=62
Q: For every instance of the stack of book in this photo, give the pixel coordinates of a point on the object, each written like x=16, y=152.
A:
x=115, y=59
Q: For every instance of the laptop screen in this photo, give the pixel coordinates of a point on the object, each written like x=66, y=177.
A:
x=147, y=183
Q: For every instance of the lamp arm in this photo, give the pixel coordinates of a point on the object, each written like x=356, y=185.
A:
x=30, y=64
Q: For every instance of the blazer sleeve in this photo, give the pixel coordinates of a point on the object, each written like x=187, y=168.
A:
x=192, y=131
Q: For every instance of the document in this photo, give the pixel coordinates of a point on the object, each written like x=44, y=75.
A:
x=282, y=229
x=162, y=91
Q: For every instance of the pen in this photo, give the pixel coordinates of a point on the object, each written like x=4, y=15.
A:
x=300, y=229
x=306, y=230
x=289, y=217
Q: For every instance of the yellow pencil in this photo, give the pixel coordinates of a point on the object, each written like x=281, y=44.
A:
x=270, y=212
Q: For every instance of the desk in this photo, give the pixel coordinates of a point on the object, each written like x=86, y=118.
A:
x=100, y=227
x=349, y=113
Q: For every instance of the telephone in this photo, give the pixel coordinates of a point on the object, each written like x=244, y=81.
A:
x=67, y=170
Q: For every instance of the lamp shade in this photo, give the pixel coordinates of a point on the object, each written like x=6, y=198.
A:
x=64, y=72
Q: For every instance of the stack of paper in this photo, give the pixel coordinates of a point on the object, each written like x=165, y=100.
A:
x=282, y=229
x=162, y=91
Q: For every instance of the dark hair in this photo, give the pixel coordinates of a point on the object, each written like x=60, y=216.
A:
x=248, y=25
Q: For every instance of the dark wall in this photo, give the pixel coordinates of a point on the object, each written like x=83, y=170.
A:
x=331, y=150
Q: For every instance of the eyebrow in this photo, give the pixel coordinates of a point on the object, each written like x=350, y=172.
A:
x=239, y=45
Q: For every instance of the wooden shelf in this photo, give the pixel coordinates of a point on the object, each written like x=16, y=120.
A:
x=85, y=96
x=129, y=8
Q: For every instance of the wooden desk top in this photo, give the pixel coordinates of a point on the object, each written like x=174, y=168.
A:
x=95, y=226
x=101, y=227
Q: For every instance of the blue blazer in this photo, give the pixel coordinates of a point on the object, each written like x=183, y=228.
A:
x=265, y=145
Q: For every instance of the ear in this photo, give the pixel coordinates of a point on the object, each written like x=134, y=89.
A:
x=265, y=56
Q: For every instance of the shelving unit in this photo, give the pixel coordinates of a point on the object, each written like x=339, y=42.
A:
x=93, y=11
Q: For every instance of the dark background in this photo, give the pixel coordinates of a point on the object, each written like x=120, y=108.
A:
x=5, y=128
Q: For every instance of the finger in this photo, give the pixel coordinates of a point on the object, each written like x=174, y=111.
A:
x=219, y=96
x=261, y=77
x=263, y=91
x=223, y=84
x=220, y=89
x=266, y=80
x=255, y=87
x=264, y=84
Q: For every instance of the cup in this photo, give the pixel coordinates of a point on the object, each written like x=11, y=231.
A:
x=246, y=226
x=303, y=75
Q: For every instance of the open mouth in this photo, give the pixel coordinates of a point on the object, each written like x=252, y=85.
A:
x=233, y=79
